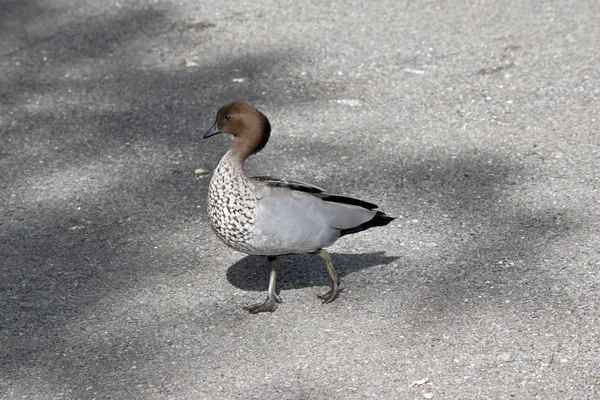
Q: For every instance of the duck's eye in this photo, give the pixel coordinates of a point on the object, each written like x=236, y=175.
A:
x=227, y=117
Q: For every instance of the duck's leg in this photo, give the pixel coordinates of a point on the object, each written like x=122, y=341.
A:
x=335, y=279
x=271, y=303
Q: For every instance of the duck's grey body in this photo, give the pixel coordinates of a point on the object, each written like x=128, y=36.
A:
x=271, y=217
x=291, y=221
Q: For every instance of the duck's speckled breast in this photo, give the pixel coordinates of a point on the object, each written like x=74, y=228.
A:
x=232, y=203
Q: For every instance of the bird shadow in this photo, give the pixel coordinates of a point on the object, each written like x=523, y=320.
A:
x=299, y=271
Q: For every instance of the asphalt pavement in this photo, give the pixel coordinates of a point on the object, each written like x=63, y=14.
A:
x=475, y=123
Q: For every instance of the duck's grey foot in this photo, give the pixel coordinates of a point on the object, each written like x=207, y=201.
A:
x=269, y=305
x=330, y=296
x=273, y=299
x=335, y=279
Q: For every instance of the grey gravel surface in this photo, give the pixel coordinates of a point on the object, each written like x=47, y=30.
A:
x=476, y=123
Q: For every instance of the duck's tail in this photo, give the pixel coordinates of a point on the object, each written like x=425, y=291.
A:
x=380, y=219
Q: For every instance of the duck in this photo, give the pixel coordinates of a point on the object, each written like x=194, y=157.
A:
x=272, y=217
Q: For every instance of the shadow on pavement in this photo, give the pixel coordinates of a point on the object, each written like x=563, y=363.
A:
x=300, y=271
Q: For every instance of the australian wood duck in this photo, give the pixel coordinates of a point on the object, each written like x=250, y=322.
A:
x=272, y=217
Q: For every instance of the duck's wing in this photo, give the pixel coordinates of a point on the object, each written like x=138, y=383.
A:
x=314, y=191
x=344, y=214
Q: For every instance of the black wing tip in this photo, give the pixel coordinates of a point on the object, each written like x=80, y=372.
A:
x=380, y=219
x=334, y=198
x=384, y=218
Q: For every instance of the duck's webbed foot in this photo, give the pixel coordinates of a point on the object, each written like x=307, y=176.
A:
x=335, y=280
x=273, y=299
x=269, y=305
x=330, y=296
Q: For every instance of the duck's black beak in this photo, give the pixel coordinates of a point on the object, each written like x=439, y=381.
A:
x=214, y=130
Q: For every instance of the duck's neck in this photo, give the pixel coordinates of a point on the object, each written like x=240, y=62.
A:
x=241, y=148
x=232, y=164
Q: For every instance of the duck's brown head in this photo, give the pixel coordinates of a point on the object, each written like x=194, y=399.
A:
x=250, y=128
